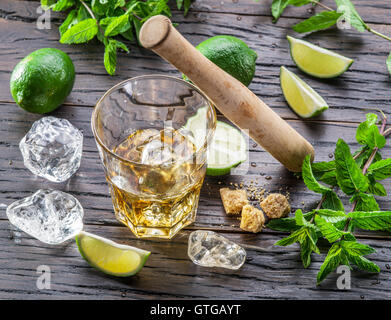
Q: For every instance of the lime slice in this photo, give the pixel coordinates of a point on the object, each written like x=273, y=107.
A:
x=316, y=61
x=303, y=100
x=227, y=149
x=110, y=257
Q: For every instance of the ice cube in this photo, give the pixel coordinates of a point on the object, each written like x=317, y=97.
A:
x=157, y=153
x=50, y=216
x=209, y=249
x=52, y=149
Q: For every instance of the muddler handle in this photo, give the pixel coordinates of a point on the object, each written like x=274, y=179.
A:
x=230, y=96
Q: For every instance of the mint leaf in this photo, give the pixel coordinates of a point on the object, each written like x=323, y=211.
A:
x=307, y=231
x=186, y=7
x=364, y=263
x=307, y=246
x=117, y=25
x=321, y=21
x=297, y=236
x=365, y=202
x=309, y=178
x=351, y=15
x=377, y=189
x=356, y=248
x=349, y=176
x=70, y=19
x=63, y=5
x=332, y=261
x=278, y=7
x=332, y=201
x=110, y=57
x=380, y=170
x=46, y=4
x=81, y=32
x=338, y=218
x=355, y=252
x=325, y=172
x=363, y=130
x=375, y=139
x=287, y=224
x=328, y=230
x=376, y=220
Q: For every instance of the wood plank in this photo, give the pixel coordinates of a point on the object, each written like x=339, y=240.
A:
x=269, y=273
x=375, y=11
x=366, y=85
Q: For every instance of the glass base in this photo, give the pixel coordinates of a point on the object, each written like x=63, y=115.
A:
x=157, y=232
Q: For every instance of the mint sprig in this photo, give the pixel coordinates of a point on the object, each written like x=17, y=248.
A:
x=357, y=175
x=111, y=22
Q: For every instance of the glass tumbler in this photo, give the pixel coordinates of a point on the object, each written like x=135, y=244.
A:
x=152, y=134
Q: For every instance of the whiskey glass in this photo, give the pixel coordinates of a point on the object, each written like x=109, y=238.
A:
x=152, y=134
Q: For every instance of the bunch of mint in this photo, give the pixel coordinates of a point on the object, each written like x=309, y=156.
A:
x=109, y=21
x=358, y=176
x=328, y=18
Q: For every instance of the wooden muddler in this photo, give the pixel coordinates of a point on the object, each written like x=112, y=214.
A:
x=230, y=96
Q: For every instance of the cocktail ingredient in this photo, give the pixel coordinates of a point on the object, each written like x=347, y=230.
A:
x=42, y=80
x=110, y=257
x=252, y=219
x=163, y=187
x=227, y=149
x=108, y=21
x=233, y=200
x=52, y=149
x=232, y=55
x=303, y=100
x=276, y=206
x=357, y=175
x=317, y=61
x=50, y=216
x=209, y=249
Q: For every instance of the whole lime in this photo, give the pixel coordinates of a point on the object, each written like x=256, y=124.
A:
x=232, y=55
x=42, y=80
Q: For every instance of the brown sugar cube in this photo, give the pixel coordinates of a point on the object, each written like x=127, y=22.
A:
x=276, y=206
x=252, y=219
x=233, y=200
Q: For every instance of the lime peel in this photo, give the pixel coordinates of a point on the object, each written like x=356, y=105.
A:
x=227, y=149
x=317, y=61
x=303, y=100
x=110, y=257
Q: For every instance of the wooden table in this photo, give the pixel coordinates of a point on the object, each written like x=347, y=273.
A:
x=270, y=272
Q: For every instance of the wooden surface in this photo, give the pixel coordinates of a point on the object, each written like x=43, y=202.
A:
x=270, y=272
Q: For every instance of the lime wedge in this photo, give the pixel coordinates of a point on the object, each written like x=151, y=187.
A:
x=227, y=149
x=303, y=100
x=110, y=257
x=317, y=61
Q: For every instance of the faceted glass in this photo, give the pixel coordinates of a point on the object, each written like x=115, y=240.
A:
x=152, y=134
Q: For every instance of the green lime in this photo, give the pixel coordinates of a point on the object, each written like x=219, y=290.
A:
x=227, y=149
x=232, y=55
x=304, y=100
x=110, y=257
x=317, y=61
x=42, y=80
